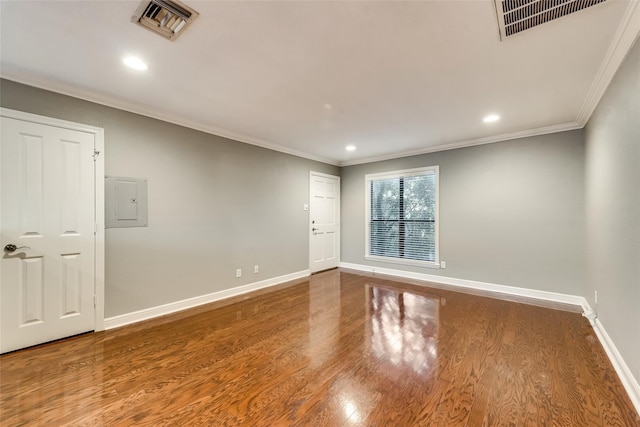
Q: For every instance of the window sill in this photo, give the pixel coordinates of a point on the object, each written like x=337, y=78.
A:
x=415, y=263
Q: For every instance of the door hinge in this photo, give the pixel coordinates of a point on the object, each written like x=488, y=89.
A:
x=94, y=302
x=96, y=153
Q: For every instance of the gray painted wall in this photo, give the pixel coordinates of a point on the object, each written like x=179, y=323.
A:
x=214, y=204
x=511, y=213
x=613, y=210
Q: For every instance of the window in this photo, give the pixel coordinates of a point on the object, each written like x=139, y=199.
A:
x=402, y=216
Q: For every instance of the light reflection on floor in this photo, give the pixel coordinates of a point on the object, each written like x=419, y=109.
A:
x=403, y=328
x=399, y=333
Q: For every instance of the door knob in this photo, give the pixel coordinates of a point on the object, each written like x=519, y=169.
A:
x=12, y=248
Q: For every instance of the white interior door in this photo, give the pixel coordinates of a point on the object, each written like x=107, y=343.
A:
x=47, y=212
x=324, y=221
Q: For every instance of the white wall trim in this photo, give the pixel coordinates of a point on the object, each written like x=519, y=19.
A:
x=626, y=377
x=38, y=81
x=100, y=266
x=628, y=32
x=41, y=82
x=563, y=127
x=49, y=121
x=472, y=284
x=172, y=307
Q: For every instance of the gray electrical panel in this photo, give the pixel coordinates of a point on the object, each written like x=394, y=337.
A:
x=125, y=202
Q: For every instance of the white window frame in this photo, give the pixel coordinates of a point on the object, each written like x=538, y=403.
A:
x=398, y=174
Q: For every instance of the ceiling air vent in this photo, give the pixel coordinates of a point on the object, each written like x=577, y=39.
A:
x=167, y=18
x=515, y=16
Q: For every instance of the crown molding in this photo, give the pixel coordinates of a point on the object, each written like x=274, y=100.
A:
x=628, y=32
x=563, y=127
x=41, y=82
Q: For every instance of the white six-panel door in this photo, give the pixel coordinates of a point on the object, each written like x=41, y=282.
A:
x=47, y=284
x=324, y=218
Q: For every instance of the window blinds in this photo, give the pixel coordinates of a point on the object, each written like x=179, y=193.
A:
x=402, y=215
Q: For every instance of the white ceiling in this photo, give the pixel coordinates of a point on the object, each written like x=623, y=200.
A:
x=310, y=77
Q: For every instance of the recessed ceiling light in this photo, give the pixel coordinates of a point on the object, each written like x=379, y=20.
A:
x=135, y=63
x=350, y=148
x=491, y=118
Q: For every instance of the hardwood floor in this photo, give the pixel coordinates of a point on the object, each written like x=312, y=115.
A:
x=338, y=349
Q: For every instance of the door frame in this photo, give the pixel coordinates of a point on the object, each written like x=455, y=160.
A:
x=338, y=215
x=99, y=235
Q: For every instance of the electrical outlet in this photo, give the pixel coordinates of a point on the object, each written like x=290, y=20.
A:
x=443, y=264
x=238, y=272
x=256, y=269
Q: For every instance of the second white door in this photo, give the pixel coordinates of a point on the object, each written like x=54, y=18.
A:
x=324, y=221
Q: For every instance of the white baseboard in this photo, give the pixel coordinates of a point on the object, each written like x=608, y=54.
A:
x=626, y=377
x=472, y=284
x=161, y=310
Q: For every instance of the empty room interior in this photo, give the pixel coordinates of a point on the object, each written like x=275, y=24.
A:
x=324, y=213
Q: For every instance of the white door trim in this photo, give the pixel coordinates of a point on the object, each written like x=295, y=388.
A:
x=98, y=134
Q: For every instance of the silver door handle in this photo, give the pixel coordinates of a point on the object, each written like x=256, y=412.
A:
x=12, y=248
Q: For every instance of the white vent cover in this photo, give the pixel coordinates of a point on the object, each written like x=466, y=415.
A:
x=165, y=17
x=515, y=16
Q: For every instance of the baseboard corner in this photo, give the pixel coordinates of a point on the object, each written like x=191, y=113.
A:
x=629, y=382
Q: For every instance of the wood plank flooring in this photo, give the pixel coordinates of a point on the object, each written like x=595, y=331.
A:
x=338, y=349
